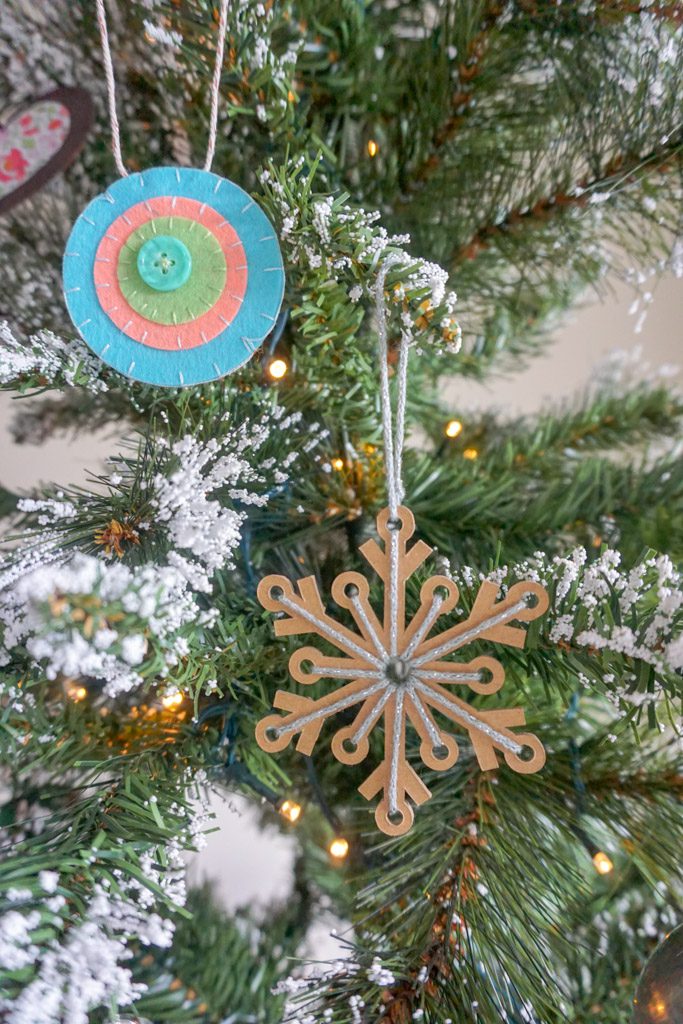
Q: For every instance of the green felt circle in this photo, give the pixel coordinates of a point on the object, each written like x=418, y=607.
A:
x=164, y=263
x=202, y=289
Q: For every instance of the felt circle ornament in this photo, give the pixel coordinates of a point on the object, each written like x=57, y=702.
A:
x=173, y=276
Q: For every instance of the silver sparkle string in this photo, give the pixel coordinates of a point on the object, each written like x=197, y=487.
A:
x=429, y=620
x=393, y=460
x=396, y=734
x=346, y=673
x=469, y=720
x=363, y=616
x=449, y=677
x=365, y=727
x=470, y=634
x=297, y=724
x=432, y=731
x=323, y=626
x=393, y=438
x=393, y=442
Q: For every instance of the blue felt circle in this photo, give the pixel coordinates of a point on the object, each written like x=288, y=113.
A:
x=255, y=318
x=164, y=263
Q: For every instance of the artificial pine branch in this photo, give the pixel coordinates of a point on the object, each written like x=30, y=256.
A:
x=468, y=70
x=621, y=173
x=136, y=660
x=668, y=12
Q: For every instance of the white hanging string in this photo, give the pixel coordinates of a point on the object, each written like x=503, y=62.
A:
x=393, y=438
x=214, y=93
x=111, y=89
x=216, y=84
x=421, y=690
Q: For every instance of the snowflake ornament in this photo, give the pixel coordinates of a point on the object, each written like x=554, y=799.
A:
x=397, y=671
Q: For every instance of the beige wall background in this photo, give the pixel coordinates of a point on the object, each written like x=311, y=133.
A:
x=250, y=866
x=581, y=341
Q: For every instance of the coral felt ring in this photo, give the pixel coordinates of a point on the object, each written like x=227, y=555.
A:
x=191, y=349
x=200, y=309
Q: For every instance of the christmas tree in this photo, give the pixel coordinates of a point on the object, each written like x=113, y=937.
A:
x=519, y=153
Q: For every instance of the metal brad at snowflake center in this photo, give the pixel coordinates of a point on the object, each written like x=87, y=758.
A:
x=399, y=672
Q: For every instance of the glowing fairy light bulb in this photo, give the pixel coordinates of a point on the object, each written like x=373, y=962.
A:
x=172, y=700
x=277, y=368
x=338, y=464
x=453, y=428
x=602, y=863
x=373, y=148
x=290, y=810
x=339, y=848
x=471, y=454
x=76, y=693
x=657, y=1009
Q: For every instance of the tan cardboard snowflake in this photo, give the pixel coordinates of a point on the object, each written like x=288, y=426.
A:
x=398, y=671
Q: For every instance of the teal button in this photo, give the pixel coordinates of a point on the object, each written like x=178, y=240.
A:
x=164, y=263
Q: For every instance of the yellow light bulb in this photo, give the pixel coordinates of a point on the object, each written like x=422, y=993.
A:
x=173, y=700
x=339, y=848
x=373, y=148
x=337, y=463
x=290, y=810
x=77, y=693
x=453, y=428
x=470, y=453
x=602, y=863
x=277, y=368
x=657, y=1008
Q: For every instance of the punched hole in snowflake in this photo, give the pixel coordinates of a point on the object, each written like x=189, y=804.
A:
x=526, y=754
x=349, y=746
x=395, y=670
